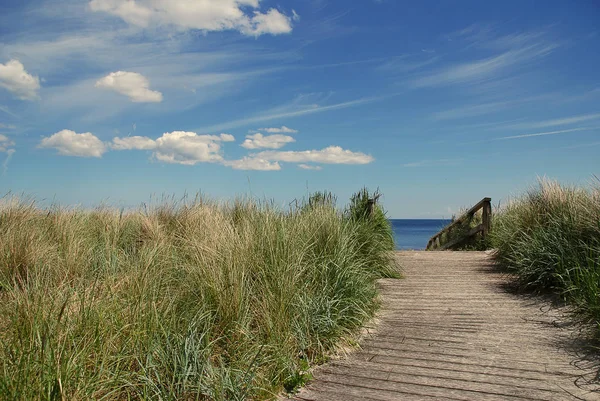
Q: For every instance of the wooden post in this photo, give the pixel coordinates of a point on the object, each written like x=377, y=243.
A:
x=437, y=241
x=371, y=205
x=487, y=217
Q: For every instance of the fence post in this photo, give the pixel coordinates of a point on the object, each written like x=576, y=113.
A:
x=371, y=202
x=487, y=217
x=370, y=207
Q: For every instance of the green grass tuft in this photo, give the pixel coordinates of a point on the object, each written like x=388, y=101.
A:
x=181, y=301
x=550, y=238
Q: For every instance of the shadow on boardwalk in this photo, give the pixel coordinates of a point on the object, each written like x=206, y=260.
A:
x=454, y=329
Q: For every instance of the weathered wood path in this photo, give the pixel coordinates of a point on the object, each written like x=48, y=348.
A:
x=451, y=330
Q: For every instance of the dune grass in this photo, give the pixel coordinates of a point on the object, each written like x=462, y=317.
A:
x=181, y=301
x=550, y=237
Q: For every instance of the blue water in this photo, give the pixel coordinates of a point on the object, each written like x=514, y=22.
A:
x=414, y=233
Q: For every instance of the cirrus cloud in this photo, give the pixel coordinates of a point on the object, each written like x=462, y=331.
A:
x=205, y=15
x=6, y=146
x=70, y=143
x=15, y=79
x=131, y=84
x=6, y=143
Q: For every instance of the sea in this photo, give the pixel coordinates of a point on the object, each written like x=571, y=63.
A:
x=415, y=233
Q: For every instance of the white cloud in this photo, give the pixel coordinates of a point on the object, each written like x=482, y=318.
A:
x=6, y=143
x=7, y=111
x=131, y=84
x=15, y=79
x=277, y=114
x=477, y=109
x=558, y=121
x=404, y=64
x=178, y=147
x=70, y=143
x=7, y=126
x=252, y=163
x=205, y=15
x=258, y=141
x=130, y=11
x=309, y=167
x=329, y=155
x=9, y=154
x=483, y=69
x=227, y=137
x=282, y=130
x=564, y=131
x=133, y=142
x=471, y=110
x=187, y=148
x=273, y=22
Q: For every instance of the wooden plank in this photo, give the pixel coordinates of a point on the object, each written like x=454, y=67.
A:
x=459, y=336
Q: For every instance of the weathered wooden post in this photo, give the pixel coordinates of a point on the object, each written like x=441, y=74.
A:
x=371, y=205
x=487, y=216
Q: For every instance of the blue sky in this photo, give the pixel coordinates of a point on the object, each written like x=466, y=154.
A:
x=436, y=103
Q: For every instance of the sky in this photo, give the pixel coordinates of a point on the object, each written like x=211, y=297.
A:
x=436, y=103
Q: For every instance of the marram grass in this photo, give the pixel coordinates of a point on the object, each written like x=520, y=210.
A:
x=550, y=237
x=197, y=301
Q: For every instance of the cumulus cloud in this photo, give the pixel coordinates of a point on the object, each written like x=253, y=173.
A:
x=309, y=167
x=131, y=84
x=70, y=143
x=178, y=147
x=15, y=79
x=258, y=141
x=133, y=142
x=329, y=155
x=272, y=22
x=205, y=15
x=130, y=11
x=188, y=148
x=252, y=163
x=227, y=137
x=282, y=130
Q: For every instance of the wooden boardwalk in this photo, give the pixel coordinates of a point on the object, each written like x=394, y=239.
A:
x=452, y=330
